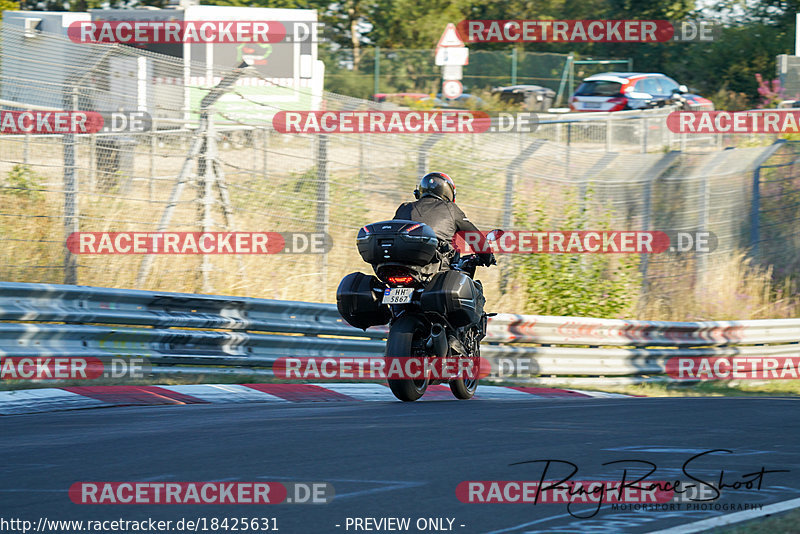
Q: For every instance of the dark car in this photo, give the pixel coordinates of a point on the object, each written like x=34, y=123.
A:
x=465, y=101
x=618, y=91
x=531, y=97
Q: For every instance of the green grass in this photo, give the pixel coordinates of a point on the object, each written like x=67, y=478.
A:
x=788, y=523
x=715, y=388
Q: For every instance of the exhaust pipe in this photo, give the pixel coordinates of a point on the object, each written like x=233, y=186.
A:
x=436, y=343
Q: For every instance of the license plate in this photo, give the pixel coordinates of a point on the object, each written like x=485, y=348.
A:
x=592, y=105
x=398, y=295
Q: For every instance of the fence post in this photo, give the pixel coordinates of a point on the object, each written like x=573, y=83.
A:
x=422, y=153
x=514, y=66
x=567, y=67
x=206, y=173
x=323, y=204
x=755, y=203
x=93, y=161
x=644, y=135
x=755, y=208
x=567, y=165
x=360, y=157
x=153, y=147
x=508, y=202
x=377, y=71
x=70, y=194
x=608, y=133
x=26, y=150
x=653, y=174
x=701, y=258
x=265, y=144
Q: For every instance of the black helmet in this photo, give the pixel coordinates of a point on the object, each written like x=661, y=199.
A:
x=437, y=184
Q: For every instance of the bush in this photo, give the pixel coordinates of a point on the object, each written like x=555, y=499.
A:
x=21, y=181
x=588, y=285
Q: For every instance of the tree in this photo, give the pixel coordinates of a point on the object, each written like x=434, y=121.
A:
x=8, y=5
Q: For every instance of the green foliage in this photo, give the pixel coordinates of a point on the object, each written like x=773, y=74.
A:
x=8, y=5
x=587, y=285
x=21, y=181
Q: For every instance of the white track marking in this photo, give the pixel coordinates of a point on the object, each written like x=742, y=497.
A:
x=599, y=393
x=224, y=393
x=500, y=392
x=44, y=400
x=360, y=391
x=730, y=519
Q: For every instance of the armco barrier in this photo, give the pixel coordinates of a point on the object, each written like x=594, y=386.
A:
x=191, y=331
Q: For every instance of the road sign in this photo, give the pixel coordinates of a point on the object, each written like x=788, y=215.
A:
x=452, y=72
x=446, y=55
x=452, y=89
x=450, y=38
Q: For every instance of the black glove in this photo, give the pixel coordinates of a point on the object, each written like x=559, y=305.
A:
x=487, y=259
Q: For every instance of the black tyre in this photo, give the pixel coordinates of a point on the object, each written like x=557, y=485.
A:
x=464, y=388
x=406, y=338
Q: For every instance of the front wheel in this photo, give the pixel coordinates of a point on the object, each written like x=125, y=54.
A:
x=464, y=388
x=406, y=339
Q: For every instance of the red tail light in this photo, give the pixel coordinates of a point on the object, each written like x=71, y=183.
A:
x=400, y=279
x=412, y=227
x=619, y=103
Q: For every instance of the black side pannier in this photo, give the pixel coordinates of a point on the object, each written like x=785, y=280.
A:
x=358, y=304
x=400, y=241
x=454, y=295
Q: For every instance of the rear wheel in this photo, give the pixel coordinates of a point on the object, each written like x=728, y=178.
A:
x=406, y=338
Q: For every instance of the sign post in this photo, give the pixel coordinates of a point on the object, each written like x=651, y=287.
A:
x=451, y=55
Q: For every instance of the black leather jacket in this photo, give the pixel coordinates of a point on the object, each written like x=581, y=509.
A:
x=443, y=216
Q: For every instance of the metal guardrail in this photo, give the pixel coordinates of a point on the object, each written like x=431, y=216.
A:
x=196, y=331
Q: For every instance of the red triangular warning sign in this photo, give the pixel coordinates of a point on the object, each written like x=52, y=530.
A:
x=450, y=37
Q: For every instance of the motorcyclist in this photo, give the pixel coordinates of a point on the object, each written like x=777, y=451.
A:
x=435, y=206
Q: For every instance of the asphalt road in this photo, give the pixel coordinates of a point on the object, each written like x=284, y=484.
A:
x=399, y=460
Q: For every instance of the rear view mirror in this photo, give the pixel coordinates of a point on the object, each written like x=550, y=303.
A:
x=494, y=235
x=682, y=89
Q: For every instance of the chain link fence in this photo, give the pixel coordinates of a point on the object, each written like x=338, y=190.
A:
x=401, y=70
x=624, y=171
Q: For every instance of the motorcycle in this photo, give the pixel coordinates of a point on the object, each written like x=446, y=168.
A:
x=428, y=296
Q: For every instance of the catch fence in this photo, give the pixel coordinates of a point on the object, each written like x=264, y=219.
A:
x=621, y=171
